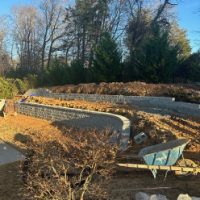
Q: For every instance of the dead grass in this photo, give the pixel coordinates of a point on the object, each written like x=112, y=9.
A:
x=20, y=130
x=184, y=92
x=27, y=132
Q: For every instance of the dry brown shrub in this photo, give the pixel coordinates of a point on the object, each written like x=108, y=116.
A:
x=60, y=170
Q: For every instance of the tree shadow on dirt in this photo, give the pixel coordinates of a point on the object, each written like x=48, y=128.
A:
x=24, y=139
x=92, y=122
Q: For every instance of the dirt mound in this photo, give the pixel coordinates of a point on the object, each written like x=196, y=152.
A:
x=184, y=92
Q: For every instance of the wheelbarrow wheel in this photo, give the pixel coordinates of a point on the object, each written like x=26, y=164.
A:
x=185, y=163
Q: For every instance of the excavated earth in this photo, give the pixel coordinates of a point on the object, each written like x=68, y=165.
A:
x=182, y=92
x=158, y=127
x=19, y=130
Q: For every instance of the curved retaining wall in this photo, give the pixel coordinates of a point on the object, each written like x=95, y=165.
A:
x=81, y=119
x=166, y=103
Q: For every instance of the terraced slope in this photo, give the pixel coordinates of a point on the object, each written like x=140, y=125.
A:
x=182, y=92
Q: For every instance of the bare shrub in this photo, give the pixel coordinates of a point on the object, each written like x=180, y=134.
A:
x=63, y=170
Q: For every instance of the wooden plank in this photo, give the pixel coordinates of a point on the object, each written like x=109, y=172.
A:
x=139, y=189
x=157, y=167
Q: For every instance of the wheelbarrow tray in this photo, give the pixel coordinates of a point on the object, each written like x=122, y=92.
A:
x=163, y=157
x=165, y=154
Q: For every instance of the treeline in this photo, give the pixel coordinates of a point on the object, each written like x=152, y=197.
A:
x=58, y=43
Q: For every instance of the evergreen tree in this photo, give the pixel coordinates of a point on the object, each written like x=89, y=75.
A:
x=85, y=22
x=57, y=73
x=189, y=70
x=156, y=59
x=77, y=72
x=107, y=60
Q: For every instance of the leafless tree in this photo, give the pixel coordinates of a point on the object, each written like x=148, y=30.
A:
x=52, y=28
x=5, y=60
x=86, y=21
x=37, y=32
x=25, y=34
x=144, y=15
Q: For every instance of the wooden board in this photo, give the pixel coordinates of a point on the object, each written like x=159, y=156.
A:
x=165, y=168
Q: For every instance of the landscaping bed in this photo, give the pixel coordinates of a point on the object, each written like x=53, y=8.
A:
x=159, y=128
x=184, y=92
x=21, y=131
x=82, y=104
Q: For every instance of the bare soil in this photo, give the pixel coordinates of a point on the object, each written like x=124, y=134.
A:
x=73, y=103
x=125, y=185
x=19, y=130
x=159, y=128
x=11, y=185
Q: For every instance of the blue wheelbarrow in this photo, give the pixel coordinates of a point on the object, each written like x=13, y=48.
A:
x=163, y=157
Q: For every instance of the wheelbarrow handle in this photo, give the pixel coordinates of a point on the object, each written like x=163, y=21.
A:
x=194, y=170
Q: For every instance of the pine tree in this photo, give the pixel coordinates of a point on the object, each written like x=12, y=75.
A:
x=190, y=68
x=156, y=59
x=107, y=60
x=86, y=21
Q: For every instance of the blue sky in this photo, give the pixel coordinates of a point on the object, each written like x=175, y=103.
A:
x=189, y=18
x=187, y=12
x=6, y=5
